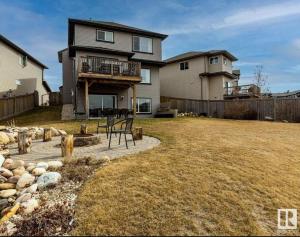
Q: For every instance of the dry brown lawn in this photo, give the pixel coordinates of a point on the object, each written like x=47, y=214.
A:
x=208, y=177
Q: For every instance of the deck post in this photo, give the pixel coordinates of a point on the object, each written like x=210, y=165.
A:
x=134, y=100
x=87, y=109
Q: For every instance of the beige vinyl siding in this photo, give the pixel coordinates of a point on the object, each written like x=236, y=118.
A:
x=86, y=36
x=30, y=76
x=184, y=83
x=149, y=91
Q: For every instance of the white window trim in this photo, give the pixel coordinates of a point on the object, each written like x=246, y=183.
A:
x=139, y=50
x=212, y=60
x=21, y=60
x=138, y=105
x=105, y=40
x=149, y=76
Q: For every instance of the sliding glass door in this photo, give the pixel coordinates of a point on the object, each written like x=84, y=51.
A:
x=98, y=103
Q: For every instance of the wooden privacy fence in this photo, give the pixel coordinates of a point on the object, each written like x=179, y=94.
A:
x=258, y=109
x=12, y=106
x=55, y=98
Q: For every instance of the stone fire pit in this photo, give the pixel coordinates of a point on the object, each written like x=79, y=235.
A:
x=86, y=139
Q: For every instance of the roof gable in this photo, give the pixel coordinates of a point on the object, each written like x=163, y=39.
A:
x=21, y=51
x=110, y=26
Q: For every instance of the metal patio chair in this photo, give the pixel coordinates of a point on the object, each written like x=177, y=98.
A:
x=127, y=129
x=110, y=120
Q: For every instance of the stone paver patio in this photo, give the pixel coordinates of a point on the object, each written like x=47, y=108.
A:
x=46, y=151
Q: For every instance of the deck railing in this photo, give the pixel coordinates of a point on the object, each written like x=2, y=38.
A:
x=250, y=90
x=108, y=66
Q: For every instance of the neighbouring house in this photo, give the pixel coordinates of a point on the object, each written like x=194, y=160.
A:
x=21, y=73
x=106, y=65
x=199, y=75
x=284, y=95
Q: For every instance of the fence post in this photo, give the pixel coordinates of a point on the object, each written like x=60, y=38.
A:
x=36, y=98
x=14, y=110
x=274, y=108
x=208, y=108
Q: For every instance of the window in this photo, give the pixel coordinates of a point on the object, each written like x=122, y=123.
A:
x=143, y=105
x=184, y=66
x=23, y=60
x=107, y=36
x=142, y=44
x=214, y=60
x=146, y=76
x=225, y=61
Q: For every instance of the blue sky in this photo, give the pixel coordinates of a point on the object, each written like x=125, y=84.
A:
x=257, y=32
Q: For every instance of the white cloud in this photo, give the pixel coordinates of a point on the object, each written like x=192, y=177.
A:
x=244, y=63
x=193, y=23
x=260, y=14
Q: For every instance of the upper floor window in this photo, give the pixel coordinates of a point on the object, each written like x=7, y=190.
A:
x=225, y=61
x=146, y=76
x=214, y=60
x=23, y=60
x=142, y=44
x=107, y=36
x=184, y=66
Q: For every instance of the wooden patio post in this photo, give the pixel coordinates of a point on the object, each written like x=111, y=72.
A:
x=134, y=100
x=86, y=94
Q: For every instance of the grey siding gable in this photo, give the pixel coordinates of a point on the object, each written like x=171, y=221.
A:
x=86, y=36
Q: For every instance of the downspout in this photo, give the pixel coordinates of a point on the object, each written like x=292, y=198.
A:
x=74, y=91
x=201, y=83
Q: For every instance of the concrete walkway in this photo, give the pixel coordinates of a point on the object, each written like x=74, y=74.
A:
x=46, y=151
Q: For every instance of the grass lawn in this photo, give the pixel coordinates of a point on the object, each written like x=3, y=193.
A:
x=208, y=177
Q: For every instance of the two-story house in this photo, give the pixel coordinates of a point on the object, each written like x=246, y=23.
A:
x=110, y=65
x=21, y=73
x=198, y=75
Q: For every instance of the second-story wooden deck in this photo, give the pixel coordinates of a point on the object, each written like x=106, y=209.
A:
x=108, y=69
x=242, y=92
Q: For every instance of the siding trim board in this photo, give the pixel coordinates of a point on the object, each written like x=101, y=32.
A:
x=73, y=49
x=109, y=26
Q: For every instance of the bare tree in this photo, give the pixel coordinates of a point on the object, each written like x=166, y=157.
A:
x=261, y=79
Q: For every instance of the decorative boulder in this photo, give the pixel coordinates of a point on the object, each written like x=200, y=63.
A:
x=2, y=159
x=7, y=193
x=4, y=139
x=11, y=137
x=48, y=179
x=5, y=172
x=19, y=171
x=13, y=179
x=29, y=206
x=7, y=163
x=55, y=164
x=3, y=204
x=31, y=189
x=54, y=131
x=42, y=165
x=24, y=197
x=30, y=168
x=25, y=180
x=15, y=164
x=62, y=132
x=2, y=179
x=38, y=171
x=5, y=186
